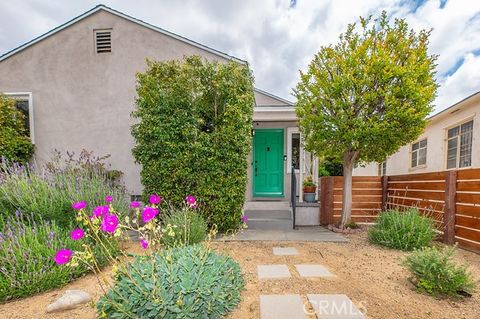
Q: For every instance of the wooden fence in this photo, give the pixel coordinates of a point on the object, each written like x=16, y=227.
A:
x=451, y=198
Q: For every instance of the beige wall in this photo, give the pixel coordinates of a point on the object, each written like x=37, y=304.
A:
x=399, y=163
x=82, y=99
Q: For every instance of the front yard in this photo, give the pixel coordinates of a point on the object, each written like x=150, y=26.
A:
x=371, y=276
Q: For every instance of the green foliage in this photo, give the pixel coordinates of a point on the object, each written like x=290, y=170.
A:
x=405, y=230
x=330, y=167
x=308, y=182
x=369, y=93
x=194, y=134
x=49, y=194
x=27, y=248
x=184, y=227
x=183, y=282
x=15, y=145
x=436, y=272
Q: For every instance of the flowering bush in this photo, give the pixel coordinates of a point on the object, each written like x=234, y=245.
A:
x=184, y=282
x=26, y=250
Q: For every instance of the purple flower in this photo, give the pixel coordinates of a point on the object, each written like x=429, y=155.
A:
x=244, y=218
x=191, y=201
x=135, y=204
x=144, y=243
x=155, y=199
x=77, y=234
x=79, y=205
x=108, y=199
x=148, y=214
x=109, y=223
x=100, y=211
x=63, y=256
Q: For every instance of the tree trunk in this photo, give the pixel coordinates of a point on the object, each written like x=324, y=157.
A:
x=348, y=162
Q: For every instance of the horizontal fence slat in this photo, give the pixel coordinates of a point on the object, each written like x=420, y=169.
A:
x=468, y=186
x=467, y=222
x=421, y=177
x=360, y=198
x=356, y=205
x=424, y=185
x=468, y=198
x=416, y=194
x=467, y=233
x=468, y=245
x=468, y=174
x=473, y=211
x=359, y=191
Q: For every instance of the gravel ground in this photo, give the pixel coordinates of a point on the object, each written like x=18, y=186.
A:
x=372, y=277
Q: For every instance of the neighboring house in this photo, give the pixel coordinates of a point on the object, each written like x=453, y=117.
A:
x=450, y=141
x=76, y=84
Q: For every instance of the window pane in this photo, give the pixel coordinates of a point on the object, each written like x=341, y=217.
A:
x=453, y=131
x=22, y=105
x=423, y=143
x=466, y=149
x=467, y=127
x=415, y=146
x=414, y=159
x=296, y=150
x=422, y=156
x=452, y=153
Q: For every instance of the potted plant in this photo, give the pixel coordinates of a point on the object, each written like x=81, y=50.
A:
x=309, y=189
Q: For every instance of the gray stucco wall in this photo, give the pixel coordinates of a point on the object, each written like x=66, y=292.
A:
x=82, y=99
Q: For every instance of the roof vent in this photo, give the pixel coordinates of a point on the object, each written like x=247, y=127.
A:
x=103, y=41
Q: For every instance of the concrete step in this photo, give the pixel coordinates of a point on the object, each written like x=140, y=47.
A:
x=267, y=205
x=270, y=224
x=269, y=214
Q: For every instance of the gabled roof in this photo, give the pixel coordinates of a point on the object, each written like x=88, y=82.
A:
x=453, y=107
x=287, y=103
x=125, y=16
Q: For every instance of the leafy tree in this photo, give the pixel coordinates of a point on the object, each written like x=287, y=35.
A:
x=363, y=98
x=15, y=145
x=193, y=134
x=330, y=167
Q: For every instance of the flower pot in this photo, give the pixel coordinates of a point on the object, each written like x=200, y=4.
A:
x=309, y=189
x=309, y=197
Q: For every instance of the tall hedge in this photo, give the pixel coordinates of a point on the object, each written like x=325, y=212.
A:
x=15, y=145
x=193, y=134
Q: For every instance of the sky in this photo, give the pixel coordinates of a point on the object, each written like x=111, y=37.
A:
x=278, y=37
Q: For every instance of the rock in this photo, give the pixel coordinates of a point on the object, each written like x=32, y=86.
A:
x=69, y=300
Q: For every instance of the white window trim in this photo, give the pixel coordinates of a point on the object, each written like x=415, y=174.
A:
x=26, y=96
x=290, y=132
x=411, y=152
x=445, y=143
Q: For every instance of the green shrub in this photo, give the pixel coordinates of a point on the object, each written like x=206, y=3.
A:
x=404, y=230
x=27, y=248
x=435, y=272
x=203, y=140
x=15, y=145
x=184, y=227
x=50, y=194
x=183, y=282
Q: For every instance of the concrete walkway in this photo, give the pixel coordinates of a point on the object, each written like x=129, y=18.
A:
x=314, y=234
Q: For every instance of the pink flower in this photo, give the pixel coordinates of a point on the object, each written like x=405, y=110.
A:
x=148, y=214
x=191, y=201
x=109, y=223
x=63, y=256
x=135, y=204
x=77, y=234
x=155, y=199
x=144, y=243
x=79, y=205
x=100, y=211
x=244, y=218
x=108, y=199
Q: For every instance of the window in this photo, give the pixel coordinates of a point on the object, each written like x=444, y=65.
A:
x=23, y=101
x=382, y=169
x=296, y=150
x=459, y=146
x=103, y=41
x=419, y=153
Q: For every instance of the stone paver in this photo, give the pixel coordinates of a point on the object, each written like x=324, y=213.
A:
x=281, y=307
x=313, y=271
x=334, y=307
x=285, y=251
x=273, y=271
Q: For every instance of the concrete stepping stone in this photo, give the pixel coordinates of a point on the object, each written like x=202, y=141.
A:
x=285, y=251
x=282, y=307
x=334, y=307
x=273, y=271
x=313, y=271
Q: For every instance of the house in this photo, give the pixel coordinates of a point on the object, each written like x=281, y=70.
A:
x=450, y=141
x=76, y=84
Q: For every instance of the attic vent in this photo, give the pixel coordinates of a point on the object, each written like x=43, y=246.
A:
x=103, y=41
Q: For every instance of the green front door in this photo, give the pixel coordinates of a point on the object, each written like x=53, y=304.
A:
x=268, y=163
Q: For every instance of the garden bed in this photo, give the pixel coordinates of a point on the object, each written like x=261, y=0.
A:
x=365, y=273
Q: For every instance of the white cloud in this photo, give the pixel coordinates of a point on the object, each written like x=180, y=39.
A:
x=277, y=40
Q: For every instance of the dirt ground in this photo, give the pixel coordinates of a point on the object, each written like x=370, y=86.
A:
x=371, y=276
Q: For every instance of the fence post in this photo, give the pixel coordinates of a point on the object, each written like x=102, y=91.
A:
x=450, y=207
x=326, y=203
x=384, y=192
